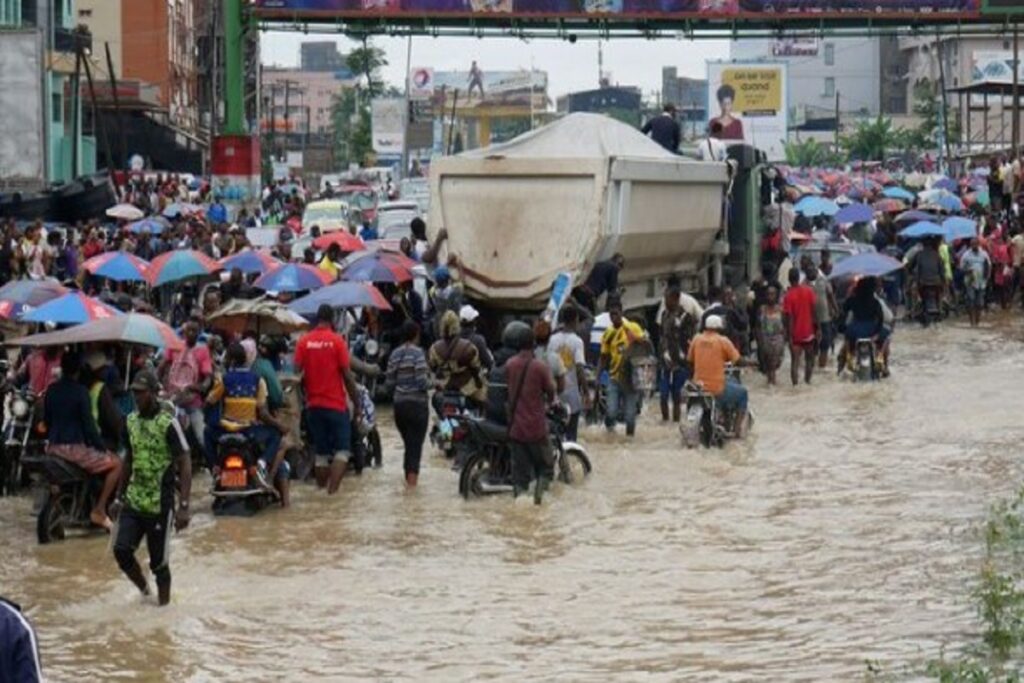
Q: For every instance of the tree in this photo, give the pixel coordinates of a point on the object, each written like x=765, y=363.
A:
x=350, y=110
x=928, y=106
x=873, y=140
x=808, y=153
x=366, y=62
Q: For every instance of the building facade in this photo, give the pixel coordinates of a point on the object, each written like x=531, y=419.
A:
x=619, y=102
x=689, y=95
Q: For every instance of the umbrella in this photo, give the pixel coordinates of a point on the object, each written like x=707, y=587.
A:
x=377, y=266
x=71, y=309
x=981, y=197
x=945, y=183
x=924, y=229
x=342, y=294
x=130, y=328
x=816, y=206
x=181, y=209
x=869, y=263
x=154, y=226
x=293, y=277
x=262, y=316
x=959, y=228
x=915, y=180
x=855, y=213
x=118, y=265
x=31, y=292
x=898, y=193
x=178, y=265
x=344, y=239
x=913, y=216
x=250, y=261
x=950, y=204
x=889, y=206
x=126, y=212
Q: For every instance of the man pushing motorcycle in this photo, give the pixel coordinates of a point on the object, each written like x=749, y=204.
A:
x=708, y=355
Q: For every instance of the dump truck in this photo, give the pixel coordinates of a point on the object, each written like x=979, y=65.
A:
x=563, y=197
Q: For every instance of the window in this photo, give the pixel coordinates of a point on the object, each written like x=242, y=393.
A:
x=57, y=105
x=830, y=87
x=830, y=54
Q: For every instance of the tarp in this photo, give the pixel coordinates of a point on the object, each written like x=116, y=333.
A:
x=578, y=136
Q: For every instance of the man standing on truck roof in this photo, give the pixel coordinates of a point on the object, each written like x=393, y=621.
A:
x=664, y=129
x=604, y=278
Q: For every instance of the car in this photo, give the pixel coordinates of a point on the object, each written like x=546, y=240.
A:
x=361, y=198
x=329, y=214
x=394, y=218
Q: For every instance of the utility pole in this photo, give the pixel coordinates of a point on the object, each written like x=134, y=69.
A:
x=600, y=63
x=273, y=122
x=944, y=129
x=1016, y=89
x=97, y=123
x=76, y=110
x=117, y=105
x=405, y=110
x=837, y=123
x=287, y=129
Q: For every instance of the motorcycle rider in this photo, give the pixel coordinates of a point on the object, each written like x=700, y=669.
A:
x=188, y=374
x=708, y=355
x=73, y=436
x=242, y=396
x=862, y=318
x=157, y=448
x=531, y=388
x=467, y=319
x=455, y=363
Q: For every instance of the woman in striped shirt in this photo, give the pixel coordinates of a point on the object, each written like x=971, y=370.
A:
x=407, y=377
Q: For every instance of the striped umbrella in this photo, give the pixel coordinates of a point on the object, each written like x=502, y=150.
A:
x=130, y=328
x=18, y=295
x=344, y=239
x=250, y=261
x=179, y=265
x=377, y=266
x=341, y=295
x=118, y=265
x=293, y=277
x=71, y=309
x=154, y=226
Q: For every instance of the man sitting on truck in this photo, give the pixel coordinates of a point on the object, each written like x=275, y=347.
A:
x=604, y=278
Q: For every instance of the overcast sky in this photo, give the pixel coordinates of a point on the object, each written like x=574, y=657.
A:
x=570, y=67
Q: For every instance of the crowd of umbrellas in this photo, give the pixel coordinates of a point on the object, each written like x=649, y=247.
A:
x=87, y=319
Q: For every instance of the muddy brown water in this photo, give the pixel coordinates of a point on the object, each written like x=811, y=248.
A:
x=844, y=530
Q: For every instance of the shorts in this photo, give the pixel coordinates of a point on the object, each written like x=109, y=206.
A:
x=975, y=297
x=733, y=397
x=331, y=432
x=92, y=460
x=827, y=333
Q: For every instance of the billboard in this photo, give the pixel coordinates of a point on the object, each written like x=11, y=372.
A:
x=652, y=9
x=387, y=122
x=748, y=101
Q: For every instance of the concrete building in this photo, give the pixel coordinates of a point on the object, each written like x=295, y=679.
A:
x=690, y=95
x=819, y=69
x=619, y=102
x=62, y=131
x=321, y=55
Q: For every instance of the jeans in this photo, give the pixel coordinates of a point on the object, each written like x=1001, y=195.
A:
x=531, y=461
x=412, y=419
x=622, y=401
x=671, y=382
x=733, y=397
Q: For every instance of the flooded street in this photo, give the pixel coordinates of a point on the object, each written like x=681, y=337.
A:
x=844, y=530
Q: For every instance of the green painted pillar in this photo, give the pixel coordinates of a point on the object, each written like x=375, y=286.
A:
x=234, y=83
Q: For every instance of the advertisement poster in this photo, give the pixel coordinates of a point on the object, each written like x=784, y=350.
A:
x=387, y=123
x=747, y=102
x=952, y=9
x=795, y=47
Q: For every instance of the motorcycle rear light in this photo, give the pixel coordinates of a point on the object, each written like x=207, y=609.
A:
x=234, y=462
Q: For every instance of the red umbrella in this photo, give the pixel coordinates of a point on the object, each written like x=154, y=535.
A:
x=344, y=239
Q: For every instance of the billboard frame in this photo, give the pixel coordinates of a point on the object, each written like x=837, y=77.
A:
x=751, y=63
x=988, y=10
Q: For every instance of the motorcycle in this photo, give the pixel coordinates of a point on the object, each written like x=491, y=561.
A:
x=449, y=429
x=866, y=363
x=488, y=466
x=372, y=352
x=366, y=446
x=70, y=494
x=236, y=488
x=597, y=389
x=706, y=422
x=931, y=305
x=19, y=438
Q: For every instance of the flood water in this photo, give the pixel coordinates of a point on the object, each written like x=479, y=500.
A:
x=844, y=530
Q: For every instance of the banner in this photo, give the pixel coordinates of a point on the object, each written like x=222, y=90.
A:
x=748, y=102
x=795, y=47
x=387, y=121
x=649, y=9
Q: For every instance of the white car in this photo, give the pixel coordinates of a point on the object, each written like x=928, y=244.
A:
x=393, y=219
x=329, y=214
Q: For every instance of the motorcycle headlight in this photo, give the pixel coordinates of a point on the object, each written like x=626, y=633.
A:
x=19, y=407
x=372, y=347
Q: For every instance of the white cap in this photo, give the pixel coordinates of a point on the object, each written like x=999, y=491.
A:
x=468, y=314
x=714, y=322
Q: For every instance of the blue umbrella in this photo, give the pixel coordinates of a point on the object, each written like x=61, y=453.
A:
x=914, y=215
x=855, y=213
x=816, y=206
x=869, y=263
x=945, y=184
x=293, y=277
x=153, y=226
x=344, y=294
x=959, y=228
x=898, y=193
x=923, y=229
x=71, y=309
x=950, y=203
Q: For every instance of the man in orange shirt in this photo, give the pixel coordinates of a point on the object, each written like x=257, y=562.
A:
x=709, y=352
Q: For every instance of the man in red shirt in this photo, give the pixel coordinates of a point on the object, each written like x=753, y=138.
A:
x=323, y=359
x=531, y=387
x=801, y=321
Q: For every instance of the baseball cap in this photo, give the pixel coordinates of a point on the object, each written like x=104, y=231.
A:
x=714, y=322
x=146, y=380
x=468, y=314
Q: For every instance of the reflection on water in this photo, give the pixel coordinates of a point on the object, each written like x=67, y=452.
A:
x=840, y=532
